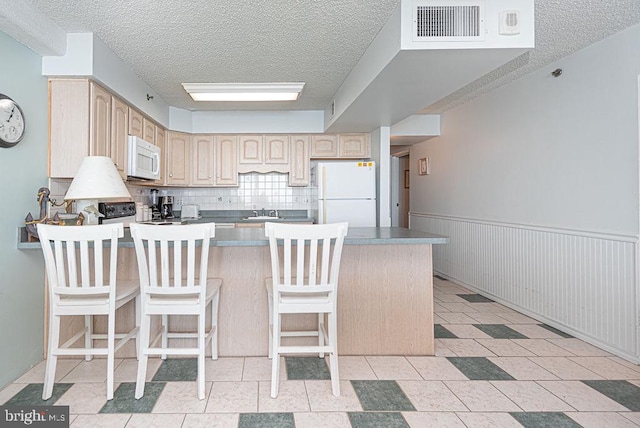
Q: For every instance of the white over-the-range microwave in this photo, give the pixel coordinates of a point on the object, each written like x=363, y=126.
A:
x=143, y=159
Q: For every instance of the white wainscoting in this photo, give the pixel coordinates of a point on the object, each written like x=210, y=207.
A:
x=584, y=283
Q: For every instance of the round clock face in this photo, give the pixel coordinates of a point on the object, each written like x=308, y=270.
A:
x=12, y=124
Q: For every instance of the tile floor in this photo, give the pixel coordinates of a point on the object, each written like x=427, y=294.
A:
x=494, y=367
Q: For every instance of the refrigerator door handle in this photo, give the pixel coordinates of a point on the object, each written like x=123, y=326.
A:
x=323, y=176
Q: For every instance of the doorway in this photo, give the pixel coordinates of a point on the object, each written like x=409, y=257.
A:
x=400, y=185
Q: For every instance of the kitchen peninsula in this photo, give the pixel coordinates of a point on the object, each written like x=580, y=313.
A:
x=385, y=295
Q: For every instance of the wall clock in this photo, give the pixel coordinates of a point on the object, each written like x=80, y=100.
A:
x=12, y=124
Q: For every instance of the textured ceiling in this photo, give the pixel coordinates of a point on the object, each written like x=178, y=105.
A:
x=315, y=41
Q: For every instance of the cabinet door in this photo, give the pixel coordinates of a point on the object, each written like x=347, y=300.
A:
x=299, y=170
x=276, y=149
x=136, y=127
x=324, y=146
x=119, y=126
x=202, y=160
x=226, y=160
x=250, y=149
x=178, y=158
x=148, y=130
x=354, y=146
x=161, y=142
x=100, y=122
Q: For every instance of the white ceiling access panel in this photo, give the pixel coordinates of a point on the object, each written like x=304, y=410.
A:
x=427, y=50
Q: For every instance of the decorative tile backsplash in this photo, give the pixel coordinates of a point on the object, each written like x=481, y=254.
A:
x=255, y=191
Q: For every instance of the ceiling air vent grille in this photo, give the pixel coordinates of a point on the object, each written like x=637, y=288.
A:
x=441, y=22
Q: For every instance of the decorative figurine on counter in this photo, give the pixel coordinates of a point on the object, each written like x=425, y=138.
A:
x=43, y=201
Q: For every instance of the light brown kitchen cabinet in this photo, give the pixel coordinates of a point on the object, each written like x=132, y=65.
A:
x=178, y=158
x=148, y=130
x=276, y=149
x=324, y=146
x=100, y=120
x=353, y=146
x=300, y=162
x=250, y=149
x=226, y=160
x=119, y=129
x=202, y=160
x=136, y=126
x=161, y=141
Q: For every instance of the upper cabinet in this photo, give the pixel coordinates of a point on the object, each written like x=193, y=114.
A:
x=119, y=127
x=341, y=146
x=276, y=149
x=299, y=168
x=263, y=153
x=148, y=130
x=202, y=160
x=100, y=120
x=178, y=159
x=136, y=127
x=226, y=160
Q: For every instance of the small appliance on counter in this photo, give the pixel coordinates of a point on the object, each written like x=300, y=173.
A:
x=155, y=205
x=166, y=207
x=117, y=212
x=190, y=212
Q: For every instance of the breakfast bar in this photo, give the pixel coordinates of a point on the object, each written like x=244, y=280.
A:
x=385, y=295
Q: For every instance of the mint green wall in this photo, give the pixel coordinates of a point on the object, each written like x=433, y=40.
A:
x=23, y=170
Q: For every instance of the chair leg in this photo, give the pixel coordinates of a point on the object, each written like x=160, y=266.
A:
x=270, y=301
x=138, y=314
x=143, y=337
x=320, y=332
x=333, y=358
x=52, y=359
x=275, y=356
x=165, y=334
x=111, y=331
x=215, y=306
x=201, y=343
x=88, y=336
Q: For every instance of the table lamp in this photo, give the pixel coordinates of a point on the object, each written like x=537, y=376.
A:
x=96, y=179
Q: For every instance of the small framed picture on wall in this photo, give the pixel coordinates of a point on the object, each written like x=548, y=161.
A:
x=423, y=166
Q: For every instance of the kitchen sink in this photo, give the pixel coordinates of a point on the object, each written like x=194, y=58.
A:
x=262, y=217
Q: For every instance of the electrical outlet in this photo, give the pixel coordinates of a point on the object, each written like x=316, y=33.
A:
x=219, y=198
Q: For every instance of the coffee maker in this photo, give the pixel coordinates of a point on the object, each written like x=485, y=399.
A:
x=166, y=207
x=155, y=205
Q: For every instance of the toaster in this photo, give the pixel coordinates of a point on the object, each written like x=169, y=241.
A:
x=190, y=211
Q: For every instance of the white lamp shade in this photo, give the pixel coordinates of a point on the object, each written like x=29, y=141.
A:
x=97, y=178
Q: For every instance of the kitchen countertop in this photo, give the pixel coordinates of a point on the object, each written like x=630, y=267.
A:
x=243, y=237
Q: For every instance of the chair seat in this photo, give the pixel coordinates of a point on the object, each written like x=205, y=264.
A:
x=307, y=298
x=213, y=285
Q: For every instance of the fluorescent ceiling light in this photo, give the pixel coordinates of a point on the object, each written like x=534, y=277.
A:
x=288, y=91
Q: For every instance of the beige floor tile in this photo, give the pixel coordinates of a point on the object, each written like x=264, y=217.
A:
x=580, y=348
x=146, y=420
x=211, y=420
x=466, y=331
x=581, y=396
x=438, y=320
x=101, y=420
x=227, y=369
x=85, y=398
x=450, y=298
x=601, y=419
x=442, y=350
x=127, y=370
x=233, y=397
x=36, y=374
x=322, y=420
x=635, y=382
x=627, y=364
x=292, y=397
x=489, y=420
x=486, y=318
x=632, y=416
x=355, y=368
x=534, y=331
x=9, y=391
x=531, y=397
x=181, y=397
x=490, y=307
x=505, y=348
x=90, y=371
x=543, y=348
x=606, y=368
x=517, y=318
x=439, y=308
x=436, y=368
x=431, y=396
x=522, y=368
x=259, y=368
x=456, y=318
x=394, y=368
x=458, y=307
x=481, y=396
x=432, y=420
x=321, y=398
x=564, y=368
x=467, y=348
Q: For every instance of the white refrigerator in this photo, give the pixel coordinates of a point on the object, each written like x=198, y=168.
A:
x=346, y=192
